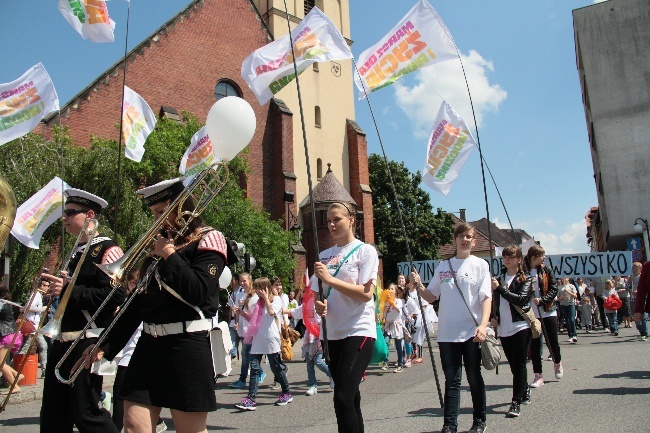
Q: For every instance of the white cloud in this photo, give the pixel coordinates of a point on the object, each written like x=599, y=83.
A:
x=446, y=80
x=501, y=225
x=549, y=222
x=571, y=240
x=599, y=1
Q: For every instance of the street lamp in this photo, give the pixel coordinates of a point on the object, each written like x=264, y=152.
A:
x=639, y=228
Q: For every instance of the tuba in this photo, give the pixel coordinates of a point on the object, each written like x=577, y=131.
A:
x=7, y=210
x=202, y=189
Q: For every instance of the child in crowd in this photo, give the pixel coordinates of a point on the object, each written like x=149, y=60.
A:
x=586, y=309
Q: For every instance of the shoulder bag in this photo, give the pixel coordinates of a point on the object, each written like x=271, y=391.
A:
x=490, y=354
x=529, y=317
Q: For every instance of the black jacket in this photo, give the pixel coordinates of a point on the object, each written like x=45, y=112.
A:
x=517, y=293
x=547, y=288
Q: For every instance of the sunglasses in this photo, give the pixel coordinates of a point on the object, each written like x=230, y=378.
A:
x=72, y=212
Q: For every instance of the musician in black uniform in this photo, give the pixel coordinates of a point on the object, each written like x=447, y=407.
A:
x=63, y=405
x=171, y=365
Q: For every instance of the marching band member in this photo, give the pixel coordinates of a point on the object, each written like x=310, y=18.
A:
x=63, y=405
x=171, y=365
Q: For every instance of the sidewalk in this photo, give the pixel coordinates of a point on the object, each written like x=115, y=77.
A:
x=35, y=392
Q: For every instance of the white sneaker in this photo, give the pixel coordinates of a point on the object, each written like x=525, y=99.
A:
x=107, y=402
x=384, y=367
x=570, y=340
x=538, y=382
x=332, y=383
x=162, y=427
x=382, y=364
x=559, y=371
x=312, y=390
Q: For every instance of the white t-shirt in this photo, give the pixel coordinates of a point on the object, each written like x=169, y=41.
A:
x=125, y=354
x=473, y=277
x=533, y=273
x=395, y=312
x=267, y=339
x=232, y=301
x=285, y=304
x=243, y=323
x=347, y=317
x=35, y=310
x=507, y=327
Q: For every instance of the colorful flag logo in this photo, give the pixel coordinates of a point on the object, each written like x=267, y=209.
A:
x=199, y=156
x=89, y=18
x=137, y=123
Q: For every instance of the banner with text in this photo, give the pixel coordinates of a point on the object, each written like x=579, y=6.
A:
x=420, y=39
x=270, y=68
x=38, y=213
x=200, y=155
x=449, y=146
x=137, y=123
x=89, y=18
x=589, y=265
x=24, y=103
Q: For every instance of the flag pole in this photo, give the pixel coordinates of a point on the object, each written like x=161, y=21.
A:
x=119, y=141
x=309, y=183
x=406, y=239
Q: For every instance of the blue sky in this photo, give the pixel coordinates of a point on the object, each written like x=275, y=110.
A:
x=520, y=60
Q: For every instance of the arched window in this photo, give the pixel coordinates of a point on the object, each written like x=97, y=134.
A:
x=317, y=117
x=226, y=88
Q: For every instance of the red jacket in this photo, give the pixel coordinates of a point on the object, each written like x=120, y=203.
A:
x=642, y=304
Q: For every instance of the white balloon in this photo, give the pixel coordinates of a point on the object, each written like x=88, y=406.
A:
x=230, y=124
x=225, y=278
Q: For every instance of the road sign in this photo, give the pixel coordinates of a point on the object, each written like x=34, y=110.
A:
x=634, y=244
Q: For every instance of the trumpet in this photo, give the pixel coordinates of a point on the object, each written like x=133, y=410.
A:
x=206, y=185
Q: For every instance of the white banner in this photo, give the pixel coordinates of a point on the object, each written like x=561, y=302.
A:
x=449, y=146
x=38, y=213
x=137, y=123
x=420, y=39
x=24, y=103
x=589, y=265
x=200, y=155
x=270, y=68
x=89, y=18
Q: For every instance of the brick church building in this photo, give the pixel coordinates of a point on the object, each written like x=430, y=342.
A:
x=195, y=58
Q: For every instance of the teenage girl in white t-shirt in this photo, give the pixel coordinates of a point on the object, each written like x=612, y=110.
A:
x=264, y=328
x=458, y=336
x=348, y=272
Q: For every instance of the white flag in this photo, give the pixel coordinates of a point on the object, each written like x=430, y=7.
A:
x=24, y=103
x=450, y=143
x=199, y=155
x=270, y=68
x=137, y=123
x=420, y=39
x=38, y=213
x=89, y=18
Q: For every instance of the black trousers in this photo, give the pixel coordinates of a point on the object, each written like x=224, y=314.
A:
x=349, y=359
x=65, y=406
x=515, y=348
x=601, y=309
x=550, y=326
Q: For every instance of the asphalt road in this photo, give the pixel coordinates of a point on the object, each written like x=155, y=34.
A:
x=604, y=389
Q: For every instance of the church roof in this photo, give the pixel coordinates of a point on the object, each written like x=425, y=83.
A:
x=329, y=190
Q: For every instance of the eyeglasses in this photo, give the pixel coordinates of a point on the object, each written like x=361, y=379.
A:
x=72, y=212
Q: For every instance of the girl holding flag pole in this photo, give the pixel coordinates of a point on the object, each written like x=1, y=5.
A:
x=348, y=271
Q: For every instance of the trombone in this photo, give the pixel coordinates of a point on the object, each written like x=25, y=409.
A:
x=207, y=183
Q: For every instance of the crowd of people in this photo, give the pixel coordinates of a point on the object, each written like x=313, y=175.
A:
x=175, y=306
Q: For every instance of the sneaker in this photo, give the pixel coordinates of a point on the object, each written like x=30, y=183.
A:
x=363, y=378
x=538, y=382
x=383, y=364
x=238, y=384
x=246, y=404
x=107, y=401
x=43, y=373
x=526, y=399
x=407, y=364
x=398, y=370
x=312, y=390
x=643, y=338
x=262, y=376
x=570, y=340
x=275, y=385
x=588, y=331
x=448, y=429
x=384, y=367
x=575, y=339
x=161, y=427
x=332, y=382
x=478, y=426
x=514, y=410
x=550, y=358
x=615, y=333
x=284, y=399
x=559, y=371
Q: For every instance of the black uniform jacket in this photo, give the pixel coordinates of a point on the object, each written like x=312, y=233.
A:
x=92, y=286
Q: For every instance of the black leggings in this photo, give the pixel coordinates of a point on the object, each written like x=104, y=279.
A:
x=550, y=326
x=515, y=348
x=349, y=359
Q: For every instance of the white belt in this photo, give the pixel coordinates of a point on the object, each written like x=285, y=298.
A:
x=177, y=328
x=73, y=335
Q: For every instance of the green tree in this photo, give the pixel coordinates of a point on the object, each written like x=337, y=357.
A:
x=30, y=162
x=426, y=230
